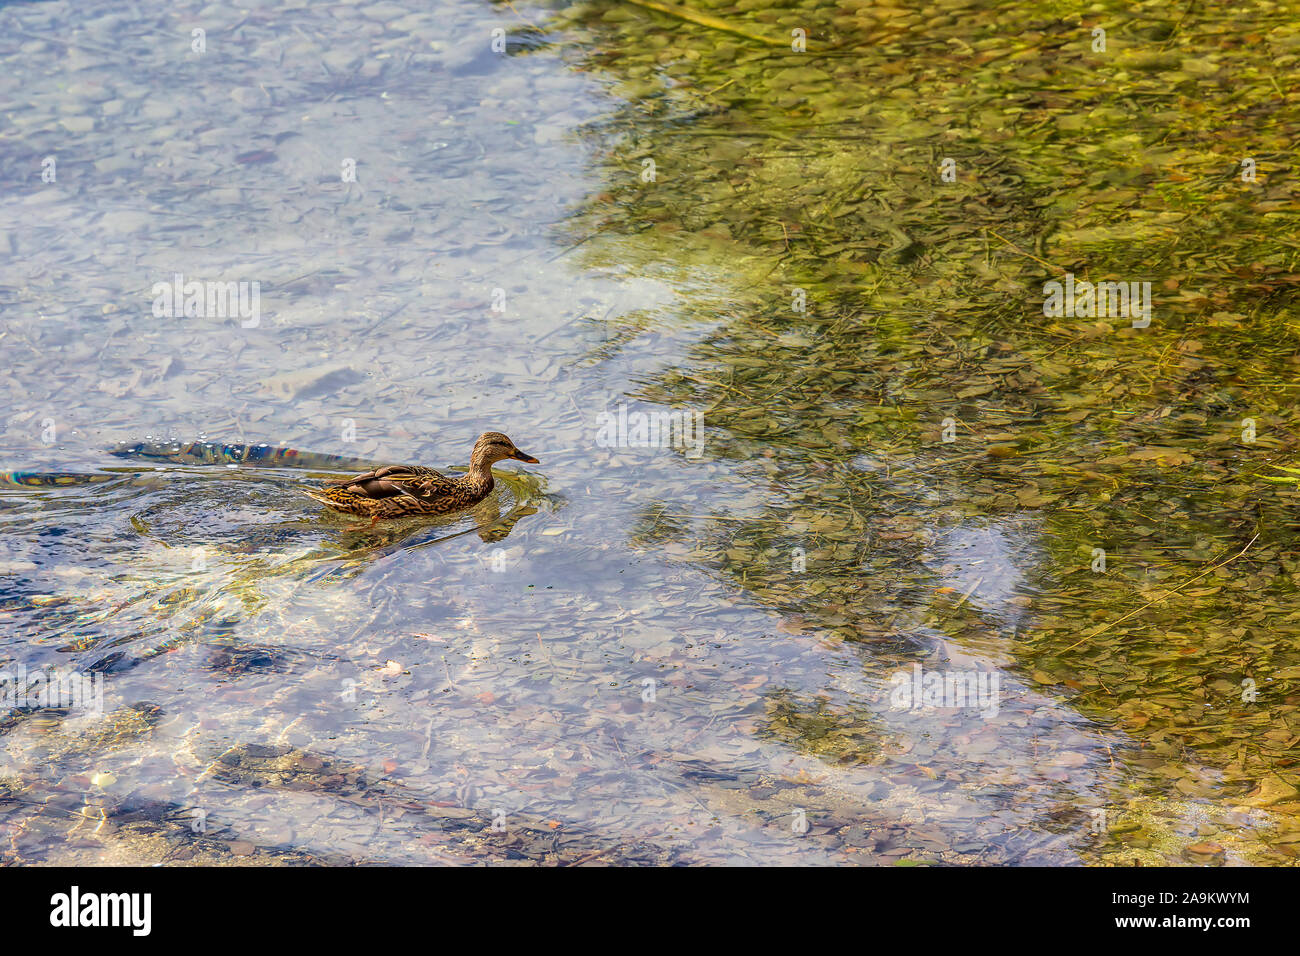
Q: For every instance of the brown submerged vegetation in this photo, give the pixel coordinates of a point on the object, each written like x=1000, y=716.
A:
x=821, y=172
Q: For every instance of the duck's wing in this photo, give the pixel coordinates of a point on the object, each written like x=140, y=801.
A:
x=393, y=480
x=391, y=472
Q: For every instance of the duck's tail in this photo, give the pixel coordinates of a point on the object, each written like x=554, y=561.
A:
x=318, y=494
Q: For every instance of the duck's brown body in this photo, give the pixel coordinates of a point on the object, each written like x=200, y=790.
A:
x=399, y=491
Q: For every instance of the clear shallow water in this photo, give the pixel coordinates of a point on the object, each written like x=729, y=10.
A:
x=630, y=670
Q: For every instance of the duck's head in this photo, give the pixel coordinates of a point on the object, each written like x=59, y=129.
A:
x=493, y=447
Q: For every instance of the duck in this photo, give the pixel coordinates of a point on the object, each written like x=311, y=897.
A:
x=401, y=491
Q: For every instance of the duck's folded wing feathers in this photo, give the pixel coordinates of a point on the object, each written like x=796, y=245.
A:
x=394, y=480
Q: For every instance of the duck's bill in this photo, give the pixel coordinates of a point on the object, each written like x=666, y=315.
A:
x=520, y=456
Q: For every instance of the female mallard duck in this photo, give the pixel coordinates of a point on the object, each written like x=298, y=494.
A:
x=398, y=491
